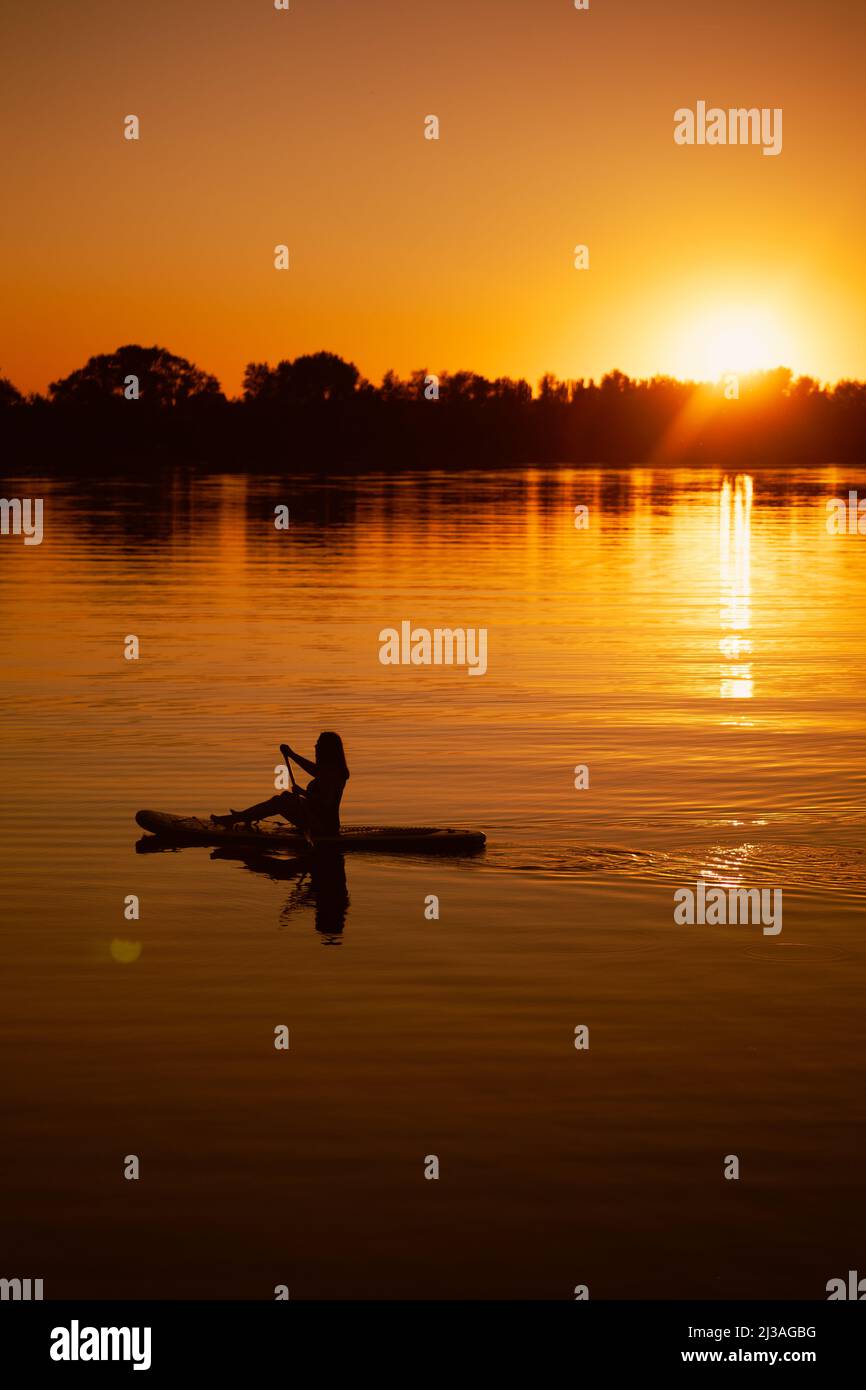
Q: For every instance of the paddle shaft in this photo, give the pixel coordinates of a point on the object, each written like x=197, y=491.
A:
x=291, y=774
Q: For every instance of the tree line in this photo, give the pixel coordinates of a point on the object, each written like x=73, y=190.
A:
x=140, y=405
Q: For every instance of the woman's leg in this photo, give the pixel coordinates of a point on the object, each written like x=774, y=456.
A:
x=292, y=808
x=287, y=804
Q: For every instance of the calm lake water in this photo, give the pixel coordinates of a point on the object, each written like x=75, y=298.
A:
x=701, y=648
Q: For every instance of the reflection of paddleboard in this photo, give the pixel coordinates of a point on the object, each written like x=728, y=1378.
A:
x=194, y=830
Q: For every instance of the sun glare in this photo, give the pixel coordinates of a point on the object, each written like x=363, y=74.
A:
x=733, y=339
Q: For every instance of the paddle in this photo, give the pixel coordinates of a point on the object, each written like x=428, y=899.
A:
x=284, y=749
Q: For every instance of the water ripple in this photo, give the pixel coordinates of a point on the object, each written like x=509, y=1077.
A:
x=810, y=869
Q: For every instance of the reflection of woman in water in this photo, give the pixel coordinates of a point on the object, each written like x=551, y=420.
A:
x=319, y=878
x=314, y=809
x=326, y=891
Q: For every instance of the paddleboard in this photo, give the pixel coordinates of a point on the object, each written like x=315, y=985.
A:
x=396, y=839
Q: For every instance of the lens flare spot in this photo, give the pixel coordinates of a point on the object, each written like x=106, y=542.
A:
x=125, y=952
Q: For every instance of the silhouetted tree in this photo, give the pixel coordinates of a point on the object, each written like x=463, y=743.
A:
x=517, y=392
x=9, y=394
x=805, y=388
x=849, y=393
x=320, y=376
x=260, y=380
x=323, y=376
x=164, y=380
x=616, y=383
x=393, y=389
x=551, y=389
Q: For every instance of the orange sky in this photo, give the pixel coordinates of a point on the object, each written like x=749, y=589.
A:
x=306, y=127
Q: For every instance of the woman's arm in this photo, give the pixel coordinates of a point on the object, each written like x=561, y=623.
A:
x=305, y=763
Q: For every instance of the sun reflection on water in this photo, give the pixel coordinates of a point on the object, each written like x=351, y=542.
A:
x=736, y=681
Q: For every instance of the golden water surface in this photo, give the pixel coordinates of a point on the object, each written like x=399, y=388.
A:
x=699, y=648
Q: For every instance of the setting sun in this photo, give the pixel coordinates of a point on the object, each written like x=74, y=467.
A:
x=733, y=339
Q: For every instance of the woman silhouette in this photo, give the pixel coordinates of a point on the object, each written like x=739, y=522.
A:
x=314, y=809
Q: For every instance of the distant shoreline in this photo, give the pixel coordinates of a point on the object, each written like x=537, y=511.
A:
x=138, y=409
x=335, y=440
x=49, y=466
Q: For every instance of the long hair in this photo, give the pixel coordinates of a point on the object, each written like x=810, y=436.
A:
x=329, y=752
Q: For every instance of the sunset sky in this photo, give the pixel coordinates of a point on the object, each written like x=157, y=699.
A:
x=260, y=127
